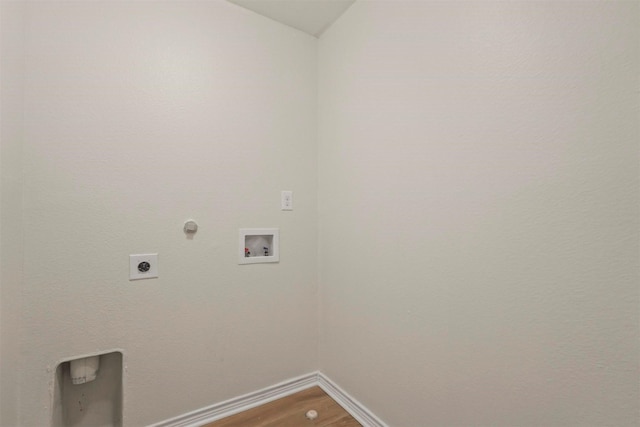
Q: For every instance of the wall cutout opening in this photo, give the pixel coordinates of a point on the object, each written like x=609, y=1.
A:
x=259, y=245
x=88, y=391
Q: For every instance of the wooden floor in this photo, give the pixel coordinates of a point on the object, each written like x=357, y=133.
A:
x=290, y=412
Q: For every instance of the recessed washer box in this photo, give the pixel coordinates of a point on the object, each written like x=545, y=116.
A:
x=259, y=245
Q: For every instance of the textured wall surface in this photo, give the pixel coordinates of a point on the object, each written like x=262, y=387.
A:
x=139, y=116
x=479, y=211
x=11, y=100
x=478, y=204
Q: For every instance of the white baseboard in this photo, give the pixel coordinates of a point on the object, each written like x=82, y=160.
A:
x=239, y=404
x=357, y=410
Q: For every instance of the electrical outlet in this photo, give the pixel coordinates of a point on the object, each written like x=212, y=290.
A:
x=286, y=200
x=143, y=266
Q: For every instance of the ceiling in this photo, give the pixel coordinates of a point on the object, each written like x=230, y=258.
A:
x=310, y=16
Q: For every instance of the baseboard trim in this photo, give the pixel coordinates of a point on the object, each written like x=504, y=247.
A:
x=239, y=404
x=357, y=410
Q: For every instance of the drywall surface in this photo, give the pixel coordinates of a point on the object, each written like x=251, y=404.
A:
x=11, y=100
x=140, y=116
x=479, y=211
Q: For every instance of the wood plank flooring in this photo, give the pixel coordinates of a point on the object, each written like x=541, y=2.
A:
x=290, y=412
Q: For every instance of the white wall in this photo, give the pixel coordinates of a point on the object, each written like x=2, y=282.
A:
x=478, y=206
x=11, y=99
x=140, y=116
x=479, y=211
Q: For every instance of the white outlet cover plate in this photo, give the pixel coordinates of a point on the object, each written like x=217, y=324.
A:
x=135, y=260
x=286, y=200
